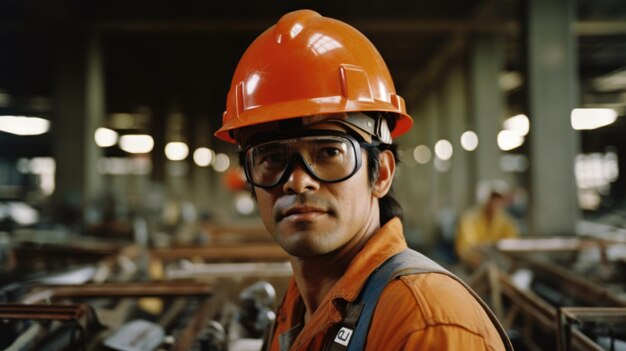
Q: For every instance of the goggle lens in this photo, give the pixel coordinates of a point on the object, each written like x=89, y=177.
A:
x=328, y=158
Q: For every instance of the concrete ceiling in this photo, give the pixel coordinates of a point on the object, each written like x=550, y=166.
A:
x=181, y=55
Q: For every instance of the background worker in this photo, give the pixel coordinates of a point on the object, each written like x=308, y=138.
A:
x=313, y=110
x=483, y=225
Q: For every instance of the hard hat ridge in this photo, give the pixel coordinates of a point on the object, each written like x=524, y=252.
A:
x=292, y=23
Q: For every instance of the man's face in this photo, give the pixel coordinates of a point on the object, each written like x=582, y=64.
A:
x=494, y=205
x=308, y=217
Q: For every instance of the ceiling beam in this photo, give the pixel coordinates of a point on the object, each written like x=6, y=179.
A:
x=600, y=28
x=374, y=25
x=425, y=77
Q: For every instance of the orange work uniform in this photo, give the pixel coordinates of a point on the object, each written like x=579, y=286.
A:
x=427, y=311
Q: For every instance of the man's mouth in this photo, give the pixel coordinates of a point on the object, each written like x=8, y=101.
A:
x=302, y=212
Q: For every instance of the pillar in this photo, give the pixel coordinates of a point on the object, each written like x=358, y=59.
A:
x=455, y=109
x=486, y=59
x=552, y=94
x=79, y=110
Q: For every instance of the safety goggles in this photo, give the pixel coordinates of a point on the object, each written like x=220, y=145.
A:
x=328, y=156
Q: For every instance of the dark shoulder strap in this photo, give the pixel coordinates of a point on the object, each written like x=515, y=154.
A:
x=353, y=335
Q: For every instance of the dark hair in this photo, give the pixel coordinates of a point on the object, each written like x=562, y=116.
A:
x=495, y=195
x=389, y=206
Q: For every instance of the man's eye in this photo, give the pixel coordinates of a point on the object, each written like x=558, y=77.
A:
x=272, y=158
x=330, y=152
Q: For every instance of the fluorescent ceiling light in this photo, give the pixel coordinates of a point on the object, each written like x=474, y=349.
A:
x=469, y=140
x=203, y=156
x=518, y=124
x=614, y=81
x=125, y=120
x=21, y=125
x=421, y=154
x=176, y=151
x=508, y=140
x=510, y=80
x=105, y=137
x=443, y=149
x=222, y=162
x=244, y=203
x=136, y=143
x=592, y=118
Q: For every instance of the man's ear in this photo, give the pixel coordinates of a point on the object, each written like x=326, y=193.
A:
x=385, y=174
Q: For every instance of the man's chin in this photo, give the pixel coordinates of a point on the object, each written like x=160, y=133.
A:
x=305, y=251
x=294, y=224
x=304, y=243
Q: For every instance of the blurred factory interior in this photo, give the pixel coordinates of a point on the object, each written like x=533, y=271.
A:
x=111, y=179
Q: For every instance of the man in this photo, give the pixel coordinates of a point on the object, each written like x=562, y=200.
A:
x=483, y=225
x=313, y=109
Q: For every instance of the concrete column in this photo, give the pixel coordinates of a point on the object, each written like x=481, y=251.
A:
x=486, y=58
x=423, y=191
x=95, y=111
x=79, y=110
x=414, y=182
x=177, y=173
x=552, y=94
x=201, y=176
x=158, y=125
x=431, y=176
x=441, y=130
x=455, y=109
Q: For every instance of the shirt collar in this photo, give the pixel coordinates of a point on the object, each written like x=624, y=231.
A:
x=386, y=242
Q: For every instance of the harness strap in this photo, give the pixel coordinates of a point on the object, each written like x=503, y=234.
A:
x=343, y=332
x=355, y=325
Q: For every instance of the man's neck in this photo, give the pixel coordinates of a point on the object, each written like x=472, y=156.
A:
x=316, y=276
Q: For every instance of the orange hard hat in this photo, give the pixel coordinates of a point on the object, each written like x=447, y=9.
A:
x=309, y=65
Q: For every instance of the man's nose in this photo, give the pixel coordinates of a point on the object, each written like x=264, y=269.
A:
x=299, y=180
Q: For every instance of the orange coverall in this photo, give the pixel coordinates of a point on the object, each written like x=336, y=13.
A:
x=427, y=311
